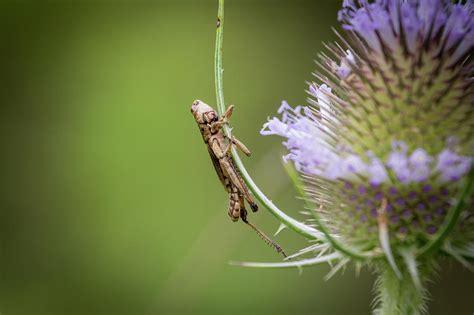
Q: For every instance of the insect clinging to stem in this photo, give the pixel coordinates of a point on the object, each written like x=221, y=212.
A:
x=219, y=147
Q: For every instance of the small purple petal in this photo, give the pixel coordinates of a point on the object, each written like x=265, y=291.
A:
x=427, y=218
x=377, y=171
x=283, y=107
x=374, y=185
x=452, y=166
x=426, y=188
x=274, y=127
x=406, y=214
x=433, y=199
x=379, y=196
x=421, y=207
x=398, y=161
x=403, y=230
x=412, y=195
x=444, y=191
x=431, y=229
x=440, y=211
x=395, y=218
x=345, y=67
x=400, y=202
x=353, y=164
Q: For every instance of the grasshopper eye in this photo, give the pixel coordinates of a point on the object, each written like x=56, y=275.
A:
x=194, y=106
x=210, y=116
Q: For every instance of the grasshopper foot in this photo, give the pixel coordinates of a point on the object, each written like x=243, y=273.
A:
x=243, y=215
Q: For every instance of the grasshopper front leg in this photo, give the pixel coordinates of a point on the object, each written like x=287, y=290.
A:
x=218, y=151
x=241, y=146
x=223, y=120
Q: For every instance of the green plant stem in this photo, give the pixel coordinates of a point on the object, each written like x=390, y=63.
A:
x=291, y=223
x=397, y=296
x=218, y=69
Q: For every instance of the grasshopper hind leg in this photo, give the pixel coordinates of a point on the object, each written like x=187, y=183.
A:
x=235, y=206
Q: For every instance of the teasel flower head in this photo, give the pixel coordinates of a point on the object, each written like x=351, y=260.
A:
x=385, y=147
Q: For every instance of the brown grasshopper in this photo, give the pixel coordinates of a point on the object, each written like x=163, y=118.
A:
x=219, y=145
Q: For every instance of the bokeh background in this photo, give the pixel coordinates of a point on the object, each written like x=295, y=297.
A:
x=109, y=202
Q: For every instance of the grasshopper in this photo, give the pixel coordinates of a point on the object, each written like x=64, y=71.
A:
x=219, y=146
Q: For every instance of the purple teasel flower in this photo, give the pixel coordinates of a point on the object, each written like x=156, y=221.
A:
x=387, y=139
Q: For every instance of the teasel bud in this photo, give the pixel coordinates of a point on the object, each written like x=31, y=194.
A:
x=385, y=147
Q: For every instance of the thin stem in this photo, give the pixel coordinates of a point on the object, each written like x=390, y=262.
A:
x=293, y=224
x=218, y=69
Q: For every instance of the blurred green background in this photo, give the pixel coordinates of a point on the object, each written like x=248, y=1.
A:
x=109, y=202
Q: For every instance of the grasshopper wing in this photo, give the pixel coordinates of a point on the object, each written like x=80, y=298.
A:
x=217, y=167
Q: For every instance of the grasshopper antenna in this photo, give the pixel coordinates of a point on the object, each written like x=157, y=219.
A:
x=266, y=239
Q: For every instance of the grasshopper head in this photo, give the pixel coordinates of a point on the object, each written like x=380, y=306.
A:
x=203, y=113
